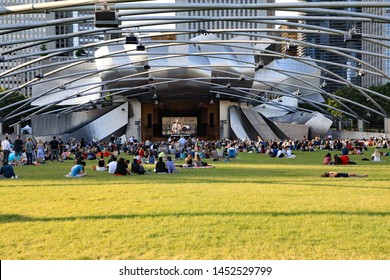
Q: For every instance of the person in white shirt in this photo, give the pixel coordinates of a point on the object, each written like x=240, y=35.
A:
x=289, y=153
x=6, y=148
x=376, y=156
x=280, y=153
x=147, y=144
x=112, y=166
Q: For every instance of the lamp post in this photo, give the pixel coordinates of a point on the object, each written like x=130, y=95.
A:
x=18, y=128
x=340, y=125
x=386, y=125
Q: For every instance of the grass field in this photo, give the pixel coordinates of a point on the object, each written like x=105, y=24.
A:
x=253, y=207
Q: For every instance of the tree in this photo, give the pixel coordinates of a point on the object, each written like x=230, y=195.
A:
x=80, y=52
x=375, y=120
x=43, y=48
x=10, y=99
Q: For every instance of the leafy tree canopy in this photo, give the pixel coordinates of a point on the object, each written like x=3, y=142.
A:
x=376, y=121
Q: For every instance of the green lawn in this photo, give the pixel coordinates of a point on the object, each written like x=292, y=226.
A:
x=253, y=207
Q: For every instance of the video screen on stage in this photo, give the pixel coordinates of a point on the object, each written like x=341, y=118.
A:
x=179, y=125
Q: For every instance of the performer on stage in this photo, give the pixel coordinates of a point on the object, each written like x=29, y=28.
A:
x=176, y=127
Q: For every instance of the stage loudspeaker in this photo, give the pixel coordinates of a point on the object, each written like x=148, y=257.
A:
x=211, y=121
x=149, y=122
x=131, y=39
x=202, y=129
x=157, y=130
x=106, y=19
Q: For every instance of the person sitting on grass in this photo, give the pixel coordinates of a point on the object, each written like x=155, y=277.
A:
x=343, y=175
x=376, y=156
x=137, y=168
x=344, y=159
x=337, y=160
x=188, y=162
x=66, y=155
x=232, y=152
x=160, y=166
x=170, y=165
x=101, y=164
x=112, y=164
x=7, y=171
x=112, y=158
x=289, y=153
x=226, y=156
x=77, y=170
x=151, y=158
x=122, y=168
x=280, y=153
x=197, y=161
x=214, y=154
x=161, y=154
x=327, y=159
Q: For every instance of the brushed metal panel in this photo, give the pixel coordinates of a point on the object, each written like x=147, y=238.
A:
x=67, y=77
x=293, y=131
x=259, y=124
x=105, y=125
x=318, y=125
x=93, y=124
x=236, y=122
x=51, y=124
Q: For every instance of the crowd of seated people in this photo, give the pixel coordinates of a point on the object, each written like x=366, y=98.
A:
x=195, y=152
x=343, y=159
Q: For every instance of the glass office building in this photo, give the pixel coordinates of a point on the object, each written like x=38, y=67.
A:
x=335, y=40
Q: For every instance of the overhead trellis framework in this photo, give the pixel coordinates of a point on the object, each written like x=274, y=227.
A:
x=139, y=16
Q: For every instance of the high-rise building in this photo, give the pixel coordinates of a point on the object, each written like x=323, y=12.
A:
x=223, y=24
x=349, y=74
x=10, y=40
x=289, y=49
x=379, y=30
x=84, y=39
x=387, y=35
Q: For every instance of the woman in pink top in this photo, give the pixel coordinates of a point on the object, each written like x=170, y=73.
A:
x=327, y=159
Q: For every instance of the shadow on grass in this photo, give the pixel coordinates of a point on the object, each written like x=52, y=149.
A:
x=328, y=183
x=13, y=218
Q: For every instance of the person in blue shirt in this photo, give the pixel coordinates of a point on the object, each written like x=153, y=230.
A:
x=170, y=165
x=7, y=171
x=232, y=152
x=344, y=150
x=77, y=170
x=151, y=158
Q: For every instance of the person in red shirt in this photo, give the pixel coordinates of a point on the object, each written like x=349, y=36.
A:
x=344, y=159
x=106, y=153
x=141, y=152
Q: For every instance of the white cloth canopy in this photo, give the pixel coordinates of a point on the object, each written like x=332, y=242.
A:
x=27, y=129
